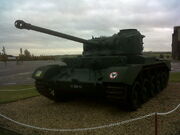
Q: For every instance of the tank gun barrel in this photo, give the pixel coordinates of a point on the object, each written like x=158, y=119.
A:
x=23, y=25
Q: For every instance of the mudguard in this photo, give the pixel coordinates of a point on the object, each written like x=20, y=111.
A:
x=46, y=72
x=124, y=74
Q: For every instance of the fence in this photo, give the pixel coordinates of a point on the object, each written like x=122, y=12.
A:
x=93, y=128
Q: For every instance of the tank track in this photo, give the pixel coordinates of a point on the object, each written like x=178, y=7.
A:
x=45, y=90
x=50, y=91
x=149, y=82
x=116, y=92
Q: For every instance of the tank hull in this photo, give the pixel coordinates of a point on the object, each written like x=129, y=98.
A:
x=112, y=82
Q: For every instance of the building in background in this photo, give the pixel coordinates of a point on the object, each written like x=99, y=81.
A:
x=11, y=58
x=176, y=43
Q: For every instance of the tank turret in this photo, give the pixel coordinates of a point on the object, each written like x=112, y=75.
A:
x=126, y=42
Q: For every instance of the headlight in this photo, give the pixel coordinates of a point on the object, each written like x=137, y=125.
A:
x=38, y=73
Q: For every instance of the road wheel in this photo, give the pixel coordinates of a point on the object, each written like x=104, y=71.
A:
x=152, y=87
x=61, y=96
x=165, y=78
x=133, y=95
x=158, y=83
x=144, y=91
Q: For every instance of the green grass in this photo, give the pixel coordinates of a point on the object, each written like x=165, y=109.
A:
x=175, y=77
x=10, y=96
x=163, y=55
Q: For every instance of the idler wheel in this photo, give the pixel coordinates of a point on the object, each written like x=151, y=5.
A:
x=45, y=90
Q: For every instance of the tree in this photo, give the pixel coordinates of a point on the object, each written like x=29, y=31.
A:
x=4, y=51
x=21, y=51
x=21, y=56
x=4, y=56
x=27, y=53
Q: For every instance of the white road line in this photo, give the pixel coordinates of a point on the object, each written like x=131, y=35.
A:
x=24, y=73
x=14, y=75
x=9, y=83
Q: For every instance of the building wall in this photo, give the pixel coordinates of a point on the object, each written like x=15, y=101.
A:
x=176, y=43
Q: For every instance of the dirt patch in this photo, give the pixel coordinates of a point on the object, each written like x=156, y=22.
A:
x=39, y=111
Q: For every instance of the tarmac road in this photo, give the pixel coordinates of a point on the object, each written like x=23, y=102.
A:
x=175, y=66
x=14, y=73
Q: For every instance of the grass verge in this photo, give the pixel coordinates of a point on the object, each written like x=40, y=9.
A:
x=10, y=96
x=174, y=77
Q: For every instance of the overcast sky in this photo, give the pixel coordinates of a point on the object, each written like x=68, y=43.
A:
x=153, y=18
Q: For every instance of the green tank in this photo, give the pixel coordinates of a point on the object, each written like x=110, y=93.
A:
x=112, y=67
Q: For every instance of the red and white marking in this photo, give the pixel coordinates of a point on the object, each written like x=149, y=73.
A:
x=113, y=75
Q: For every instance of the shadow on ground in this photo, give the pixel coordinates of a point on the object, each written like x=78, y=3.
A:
x=4, y=131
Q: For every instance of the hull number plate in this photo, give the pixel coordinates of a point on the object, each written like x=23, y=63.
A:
x=75, y=86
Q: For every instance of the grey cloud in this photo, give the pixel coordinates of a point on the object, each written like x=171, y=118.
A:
x=85, y=18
